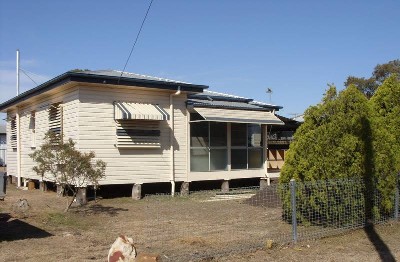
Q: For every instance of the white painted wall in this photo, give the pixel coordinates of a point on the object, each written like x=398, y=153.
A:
x=97, y=132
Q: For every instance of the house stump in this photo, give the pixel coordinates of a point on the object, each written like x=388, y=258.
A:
x=185, y=189
x=225, y=186
x=137, y=191
x=81, y=197
x=264, y=183
x=60, y=190
x=43, y=186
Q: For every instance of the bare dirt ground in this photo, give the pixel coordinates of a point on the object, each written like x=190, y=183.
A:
x=179, y=229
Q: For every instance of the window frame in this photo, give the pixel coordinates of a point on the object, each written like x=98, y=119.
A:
x=229, y=147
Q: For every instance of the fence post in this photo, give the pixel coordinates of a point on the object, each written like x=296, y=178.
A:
x=293, y=204
x=396, y=199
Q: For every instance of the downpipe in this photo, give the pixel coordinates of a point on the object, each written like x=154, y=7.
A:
x=172, y=133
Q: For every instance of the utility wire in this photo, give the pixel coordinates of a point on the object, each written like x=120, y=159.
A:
x=29, y=72
x=23, y=71
x=137, y=37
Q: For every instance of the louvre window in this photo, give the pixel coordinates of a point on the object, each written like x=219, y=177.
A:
x=55, y=118
x=138, y=133
x=32, y=128
x=13, y=137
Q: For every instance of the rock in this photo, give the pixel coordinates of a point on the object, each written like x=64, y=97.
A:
x=269, y=244
x=122, y=250
x=21, y=208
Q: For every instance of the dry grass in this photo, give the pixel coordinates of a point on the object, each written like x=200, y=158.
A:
x=180, y=229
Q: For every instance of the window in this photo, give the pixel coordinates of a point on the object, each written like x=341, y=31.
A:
x=208, y=146
x=138, y=133
x=55, y=119
x=13, y=137
x=32, y=128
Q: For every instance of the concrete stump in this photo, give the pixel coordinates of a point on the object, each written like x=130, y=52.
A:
x=264, y=183
x=31, y=185
x=60, y=190
x=137, y=192
x=185, y=189
x=81, y=198
x=225, y=186
x=43, y=186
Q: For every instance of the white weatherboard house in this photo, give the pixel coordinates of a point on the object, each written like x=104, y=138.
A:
x=147, y=129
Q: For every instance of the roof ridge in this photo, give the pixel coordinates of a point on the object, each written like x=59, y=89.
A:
x=224, y=94
x=149, y=76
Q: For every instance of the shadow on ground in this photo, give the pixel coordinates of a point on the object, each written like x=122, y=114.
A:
x=14, y=229
x=380, y=246
x=99, y=209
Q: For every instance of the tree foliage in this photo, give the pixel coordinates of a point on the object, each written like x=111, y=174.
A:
x=62, y=163
x=368, y=86
x=348, y=136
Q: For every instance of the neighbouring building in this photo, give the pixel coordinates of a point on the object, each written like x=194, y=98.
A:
x=3, y=145
x=147, y=129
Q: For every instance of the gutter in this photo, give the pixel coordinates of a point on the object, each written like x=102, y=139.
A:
x=172, y=134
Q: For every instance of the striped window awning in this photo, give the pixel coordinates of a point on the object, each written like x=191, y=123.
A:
x=138, y=111
x=238, y=116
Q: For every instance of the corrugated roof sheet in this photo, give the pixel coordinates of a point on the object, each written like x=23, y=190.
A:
x=215, y=99
x=117, y=73
x=224, y=104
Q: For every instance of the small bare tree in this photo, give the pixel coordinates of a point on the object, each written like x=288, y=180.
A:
x=62, y=163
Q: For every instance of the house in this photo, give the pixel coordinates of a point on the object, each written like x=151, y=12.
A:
x=3, y=145
x=147, y=129
x=279, y=138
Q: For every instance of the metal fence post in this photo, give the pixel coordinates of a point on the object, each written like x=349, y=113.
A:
x=396, y=199
x=293, y=204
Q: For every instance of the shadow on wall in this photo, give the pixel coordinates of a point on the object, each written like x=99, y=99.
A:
x=15, y=229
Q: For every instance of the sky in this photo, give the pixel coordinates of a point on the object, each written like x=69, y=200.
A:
x=241, y=47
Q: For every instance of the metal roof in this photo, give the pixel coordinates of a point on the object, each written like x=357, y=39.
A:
x=116, y=73
x=221, y=100
x=224, y=104
x=104, y=77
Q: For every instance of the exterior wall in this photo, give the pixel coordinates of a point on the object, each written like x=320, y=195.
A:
x=69, y=99
x=11, y=153
x=97, y=132
x=3, y=149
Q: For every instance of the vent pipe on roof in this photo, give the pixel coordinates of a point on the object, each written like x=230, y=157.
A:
x=17, y=72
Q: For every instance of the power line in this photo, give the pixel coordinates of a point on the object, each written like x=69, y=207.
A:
x=137, y=37
x=32, y=73
x=23, y=71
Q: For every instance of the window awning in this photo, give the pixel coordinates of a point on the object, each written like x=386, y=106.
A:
x=238, y=116
x=126, y=111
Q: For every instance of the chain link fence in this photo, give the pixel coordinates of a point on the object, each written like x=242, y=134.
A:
x=209, y=224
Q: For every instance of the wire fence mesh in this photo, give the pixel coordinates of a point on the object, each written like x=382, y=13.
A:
x=209, y=224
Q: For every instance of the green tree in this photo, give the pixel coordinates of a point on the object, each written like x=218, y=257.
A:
x=368, y=86
x=343, y=137
x=62, y=163
x=329, y=143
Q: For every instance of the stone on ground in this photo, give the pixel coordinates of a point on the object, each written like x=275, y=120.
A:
x=122, y=250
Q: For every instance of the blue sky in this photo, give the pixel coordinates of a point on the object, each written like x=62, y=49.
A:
x=238, y=47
